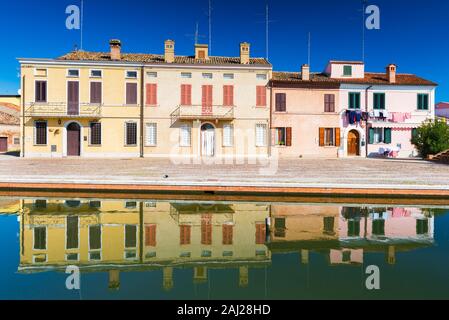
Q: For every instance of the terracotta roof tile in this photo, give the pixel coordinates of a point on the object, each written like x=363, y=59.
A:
x=370, y=78
x=154, y=58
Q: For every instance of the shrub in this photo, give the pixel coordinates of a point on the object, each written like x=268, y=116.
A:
x=431, y=137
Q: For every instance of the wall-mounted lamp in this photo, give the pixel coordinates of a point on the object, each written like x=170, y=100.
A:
x=59, y=121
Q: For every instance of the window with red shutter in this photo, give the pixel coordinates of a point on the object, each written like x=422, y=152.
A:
x=228, y=234
x=186, y=95
x=150, y=235
x=228, y=95
x=151, y=94
x=185, y=232
x=206, y=229
x=260, y=233
x=261, y=99
x=207, y=99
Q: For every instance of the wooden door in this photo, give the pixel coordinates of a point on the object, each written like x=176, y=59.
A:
x=353, y=143
x=73, y=140
x=73, y=98
x=3, y=144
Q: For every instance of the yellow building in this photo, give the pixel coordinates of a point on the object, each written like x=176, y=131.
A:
x=9, y=123
x=114, y=236
x=93, y=104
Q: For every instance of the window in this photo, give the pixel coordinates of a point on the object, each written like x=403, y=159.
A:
x=207, y=75
x=329, y=137
x=281, y=102
x=228, y=76
x=329, y=103
x=261, y=233
x=95, y=256
x=40, y=72
x=40, y=204
x=151, y=98
x=16, y=140
x=185, y=232
x=186, y=75
x=354, y=100
x=353, y=228
x=185, y=135
x=261, y=76
x=228, y=231
x=95, y=204
x=186, y=95
x=347, y=71
x=95, y=133
x=228, y=135
x=414, y=132
x=95, y=237
x=130, y=204
x=75, y=73
x=131, y=93
x=261, y=96
x=379, y=227
x=40, y=238
x=130, y=236
x=423, y=101
x=379, y=135
x=328, y=225
x=131, y=74
x=283, y=137
x=131, y=134
x=96, y=73
x=261, y=135
x=72, y=232
x=40, y=133
x=228, y=96
x=206, y=229
x=280, y=227
x=379, y=101
x=151, y=134
x=152, y=74
x=71, y=257
x=40, y=91
x=95, y=92
x=201, y=54
x=422, y=226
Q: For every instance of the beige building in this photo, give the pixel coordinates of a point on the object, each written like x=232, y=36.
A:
x=114, y=104
x=9, y=123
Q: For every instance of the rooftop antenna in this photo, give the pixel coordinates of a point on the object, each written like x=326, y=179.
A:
x=210, y=27
x=82, y=16
x=196, y=35
x=267, y=28
x=309, y=45
x=364, y=2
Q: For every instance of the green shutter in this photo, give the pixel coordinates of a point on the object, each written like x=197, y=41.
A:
x=387, y=135
x=426, y=102
x=382, y=101
x=371, y=135
x=414, y=132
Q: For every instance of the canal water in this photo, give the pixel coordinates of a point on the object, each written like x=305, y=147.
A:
x=222, y=250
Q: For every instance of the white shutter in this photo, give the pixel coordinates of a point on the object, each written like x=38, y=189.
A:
x=228, y=135
x=185, y=136
x=261, y=135
x=151, y=135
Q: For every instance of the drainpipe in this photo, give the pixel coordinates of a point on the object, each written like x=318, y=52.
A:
x=23, y=116
x=142, y=109
x=366, y=128
x=270, y=87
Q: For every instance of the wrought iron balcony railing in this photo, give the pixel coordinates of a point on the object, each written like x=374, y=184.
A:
x=199, y=112
x=60, y=110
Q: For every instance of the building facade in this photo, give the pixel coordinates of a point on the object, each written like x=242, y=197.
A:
x=442, y=110
x=113, y=104
x=9, y=123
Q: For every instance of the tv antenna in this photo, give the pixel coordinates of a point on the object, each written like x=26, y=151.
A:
x=309, y=46
x=364, y=2
x=210, y=27
x=82, y=17
x=267, y=28
x=196, y=35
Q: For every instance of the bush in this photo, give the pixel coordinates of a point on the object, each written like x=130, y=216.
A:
x=431, y=138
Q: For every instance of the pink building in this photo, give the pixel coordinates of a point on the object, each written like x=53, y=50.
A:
x=442, y=110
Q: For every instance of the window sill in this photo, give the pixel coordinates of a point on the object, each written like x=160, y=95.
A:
x=151, y=105
x=150, y=146
x=130, y=145
x=94, y=145
x=281, y=112
x=40, y=145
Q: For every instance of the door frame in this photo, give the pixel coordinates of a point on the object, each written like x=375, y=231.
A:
x=5, y=138
x=64, y=138
x=201, y=139
x=359, y=139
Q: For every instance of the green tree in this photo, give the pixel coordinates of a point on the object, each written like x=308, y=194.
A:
x=431, y=137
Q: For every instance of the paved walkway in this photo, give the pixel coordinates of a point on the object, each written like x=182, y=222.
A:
x=297, y=173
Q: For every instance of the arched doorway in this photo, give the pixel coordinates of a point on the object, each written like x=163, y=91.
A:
x=353, y=143
x=207, y=140
x=73, y=140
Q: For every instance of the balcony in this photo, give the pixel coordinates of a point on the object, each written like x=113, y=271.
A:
x=198, y=112
x=60, y=110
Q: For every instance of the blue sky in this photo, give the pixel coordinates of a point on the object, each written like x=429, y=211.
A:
x=414, y=33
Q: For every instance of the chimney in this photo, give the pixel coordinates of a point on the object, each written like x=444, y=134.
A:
x=391, y=73
x=201, y=51
x=116, y=47
x=305, y=72
x=244, y=52
x=169, y=53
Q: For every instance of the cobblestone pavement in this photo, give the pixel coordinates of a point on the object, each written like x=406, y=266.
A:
x=367, y=173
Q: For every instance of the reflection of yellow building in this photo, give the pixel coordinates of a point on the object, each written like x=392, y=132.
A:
x=128, y=235
x=9, y=206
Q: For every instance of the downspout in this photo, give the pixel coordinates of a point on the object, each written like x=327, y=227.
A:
x=270, y=87
x=23, y=116
x=142, y=109
x=366, y=127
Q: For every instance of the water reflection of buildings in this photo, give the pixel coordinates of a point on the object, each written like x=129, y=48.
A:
x=115, y=236
x=347, y=233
